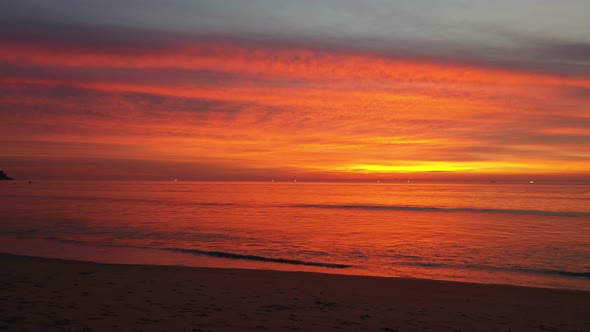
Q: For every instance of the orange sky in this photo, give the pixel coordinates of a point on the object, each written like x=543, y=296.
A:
x=224, y=109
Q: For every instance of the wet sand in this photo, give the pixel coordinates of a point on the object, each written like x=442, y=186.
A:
x=40, y=294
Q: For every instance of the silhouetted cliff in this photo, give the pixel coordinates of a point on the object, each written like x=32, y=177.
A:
x=3, y=176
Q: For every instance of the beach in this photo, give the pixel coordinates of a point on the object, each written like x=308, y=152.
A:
x=42, y=294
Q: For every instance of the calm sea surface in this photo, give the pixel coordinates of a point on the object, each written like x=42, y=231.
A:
x=521, y=234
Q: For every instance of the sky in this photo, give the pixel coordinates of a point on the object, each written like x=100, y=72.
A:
x=314, y=90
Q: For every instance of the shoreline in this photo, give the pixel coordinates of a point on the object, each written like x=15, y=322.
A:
x=130, y=255
x=58, y=294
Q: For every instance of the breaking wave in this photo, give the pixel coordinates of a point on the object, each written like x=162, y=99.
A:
x=442, y=209
x=222, y=254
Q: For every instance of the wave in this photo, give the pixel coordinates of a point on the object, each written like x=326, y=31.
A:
x=86, y=198
x=117, y=199
x=222, y=254
x=218, y=254
x=514, y=269
x=59, y=239
x=563, y=273
x=442, y=209
x=211, y=204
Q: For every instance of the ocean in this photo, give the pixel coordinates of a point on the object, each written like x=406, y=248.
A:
x=504, y=233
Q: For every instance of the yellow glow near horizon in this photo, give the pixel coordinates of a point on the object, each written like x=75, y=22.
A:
x=443, y=166
x=417, y=167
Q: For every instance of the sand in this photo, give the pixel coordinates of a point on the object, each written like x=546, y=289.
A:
x=40, y=294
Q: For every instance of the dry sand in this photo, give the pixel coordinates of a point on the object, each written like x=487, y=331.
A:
x=39, y=294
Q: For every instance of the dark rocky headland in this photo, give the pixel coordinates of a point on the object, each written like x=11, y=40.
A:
x=3, y=176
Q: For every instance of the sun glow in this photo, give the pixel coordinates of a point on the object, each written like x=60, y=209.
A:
x=417, y=167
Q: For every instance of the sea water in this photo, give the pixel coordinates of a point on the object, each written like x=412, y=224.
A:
x=507, y=233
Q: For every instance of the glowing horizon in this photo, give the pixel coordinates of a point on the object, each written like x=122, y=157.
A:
x=211, y=107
